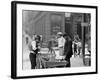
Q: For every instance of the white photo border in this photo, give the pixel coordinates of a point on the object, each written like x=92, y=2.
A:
x=19, y=73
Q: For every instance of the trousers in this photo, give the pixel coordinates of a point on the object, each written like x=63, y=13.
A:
x=33, y=60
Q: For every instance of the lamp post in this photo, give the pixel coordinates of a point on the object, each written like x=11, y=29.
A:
x=84, y=25
x=83, y=34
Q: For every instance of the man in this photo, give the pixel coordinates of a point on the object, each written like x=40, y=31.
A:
x=61, y=43
x=34, y=51
x=68, y=49
x=32, y=55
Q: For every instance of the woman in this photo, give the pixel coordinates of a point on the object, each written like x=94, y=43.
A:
x=75, y=47
x=68, y=49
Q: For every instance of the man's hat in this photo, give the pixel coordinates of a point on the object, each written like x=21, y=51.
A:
x=59, y=33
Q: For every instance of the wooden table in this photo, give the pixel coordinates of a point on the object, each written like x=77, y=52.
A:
x=46, y=62
x=51, y=64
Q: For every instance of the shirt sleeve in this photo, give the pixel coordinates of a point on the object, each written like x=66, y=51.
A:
x=63, y=42
x=33, y=45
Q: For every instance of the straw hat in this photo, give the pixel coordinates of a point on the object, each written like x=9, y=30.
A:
x=59, y=33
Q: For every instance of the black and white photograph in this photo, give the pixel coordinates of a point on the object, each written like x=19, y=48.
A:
x=55, y=38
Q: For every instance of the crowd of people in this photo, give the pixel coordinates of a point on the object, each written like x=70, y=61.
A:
x=66, y=46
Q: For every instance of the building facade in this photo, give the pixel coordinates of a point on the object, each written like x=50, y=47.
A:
x=42, y=23
x=47, y=23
